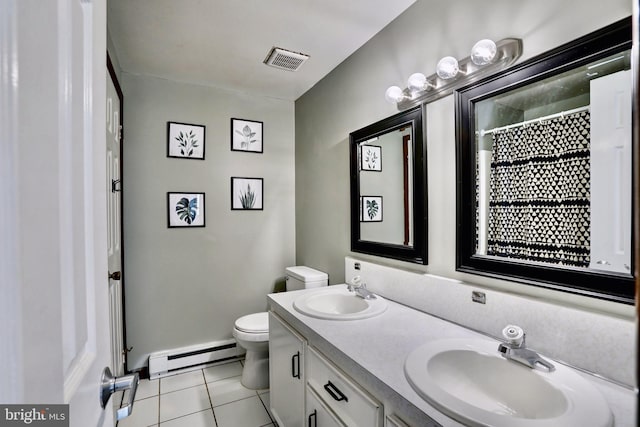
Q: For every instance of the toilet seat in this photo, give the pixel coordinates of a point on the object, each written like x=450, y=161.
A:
x=252, y=327
x=253, y=323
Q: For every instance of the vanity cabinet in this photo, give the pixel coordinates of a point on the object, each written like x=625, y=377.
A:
x=286, y=372
x=307, y=389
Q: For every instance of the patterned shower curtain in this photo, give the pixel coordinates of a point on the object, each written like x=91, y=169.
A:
x=539, y=206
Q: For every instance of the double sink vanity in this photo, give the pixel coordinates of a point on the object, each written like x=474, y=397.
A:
x=339, y=359
x=534, y=207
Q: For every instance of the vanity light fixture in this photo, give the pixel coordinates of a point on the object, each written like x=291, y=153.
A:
x=483, y=52
x=394, y=94
x=486, y=57
x=418, y=82
x=447, y=68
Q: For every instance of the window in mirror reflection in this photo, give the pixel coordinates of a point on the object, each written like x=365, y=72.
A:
x=553, y=169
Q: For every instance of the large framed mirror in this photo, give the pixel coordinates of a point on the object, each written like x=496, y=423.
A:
x=388, y=188
x=544, y=153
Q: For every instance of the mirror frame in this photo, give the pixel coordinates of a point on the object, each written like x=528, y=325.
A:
x=617, y=287
x=416, y=253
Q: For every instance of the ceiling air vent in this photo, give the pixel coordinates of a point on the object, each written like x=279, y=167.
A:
x=285, y=59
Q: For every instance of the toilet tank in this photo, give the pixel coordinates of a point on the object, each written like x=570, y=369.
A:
x=301, y=277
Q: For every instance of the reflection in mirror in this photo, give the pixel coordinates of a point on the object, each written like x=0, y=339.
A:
x=387, y=188
x=554, y=169
x=391, y=222
x=551, y=171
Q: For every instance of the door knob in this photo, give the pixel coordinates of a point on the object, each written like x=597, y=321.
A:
x=110, y=384
x=116, y=275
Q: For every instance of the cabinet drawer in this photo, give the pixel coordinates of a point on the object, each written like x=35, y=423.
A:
x=318, y=415
x=353, y=405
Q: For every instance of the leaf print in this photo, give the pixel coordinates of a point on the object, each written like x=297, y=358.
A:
x=187, y=210
x=248, y=198
x=372, y=208
x=187, y=142
x=247, y=134
x=371, y=159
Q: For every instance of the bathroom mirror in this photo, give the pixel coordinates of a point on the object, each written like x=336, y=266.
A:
x=544, y=153
x=388, y=190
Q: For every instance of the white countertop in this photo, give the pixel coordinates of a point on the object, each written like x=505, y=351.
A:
x=373, y=351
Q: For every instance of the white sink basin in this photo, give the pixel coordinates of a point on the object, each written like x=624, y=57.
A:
x=337, y=303
x=471, y=382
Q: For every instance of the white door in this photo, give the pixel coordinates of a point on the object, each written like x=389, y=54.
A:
x=54, y=267
x=114, y=226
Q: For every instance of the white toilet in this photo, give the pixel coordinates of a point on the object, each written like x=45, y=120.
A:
x=252, y=331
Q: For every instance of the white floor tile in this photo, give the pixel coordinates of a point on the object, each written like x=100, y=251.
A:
x=183, y=402
x=221, y=372
x=144, y=414
x=147, y=388
x=199, y=419
x=266, y=401
x=242, y=413
x=181, y=381
x=228, y=390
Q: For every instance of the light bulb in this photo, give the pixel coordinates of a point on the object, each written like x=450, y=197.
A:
x=483, y=52
x=447, y=67
x=416, y=82
x=393, y=94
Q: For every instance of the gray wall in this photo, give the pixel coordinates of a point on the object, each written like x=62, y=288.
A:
x=187, y=286
x=352, y=96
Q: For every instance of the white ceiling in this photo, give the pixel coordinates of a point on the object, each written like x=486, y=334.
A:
x=223, y=43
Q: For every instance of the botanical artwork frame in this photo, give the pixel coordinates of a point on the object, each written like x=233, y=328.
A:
x=371, y=208
x=247, y=135
x=185, y=209
x=371, y=158
x=247, y=193
x=185, y=140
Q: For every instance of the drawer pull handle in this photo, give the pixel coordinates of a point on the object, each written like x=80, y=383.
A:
x=314, y=414
x=335, y=392
x=295, y=365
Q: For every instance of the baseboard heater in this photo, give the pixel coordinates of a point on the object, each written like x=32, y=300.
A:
x=169, y=362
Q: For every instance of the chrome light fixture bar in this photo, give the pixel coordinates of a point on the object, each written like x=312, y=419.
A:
x=486, y=58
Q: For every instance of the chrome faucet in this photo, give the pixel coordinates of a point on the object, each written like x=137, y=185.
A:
x=514, y=349
x=360, y=288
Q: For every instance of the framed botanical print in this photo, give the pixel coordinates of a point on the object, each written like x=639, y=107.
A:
x=371, y=158
x=246, y=135
x=185, y=210
x=185, y=141
x=371, y=209
x=246, y=193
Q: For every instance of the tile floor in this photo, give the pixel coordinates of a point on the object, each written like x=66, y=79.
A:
x=210, y=397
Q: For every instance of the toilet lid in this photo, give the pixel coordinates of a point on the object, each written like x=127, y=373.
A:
x=256, y=323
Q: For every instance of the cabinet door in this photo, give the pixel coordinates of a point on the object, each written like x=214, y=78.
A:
x=318, y=415
x=286, y=373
